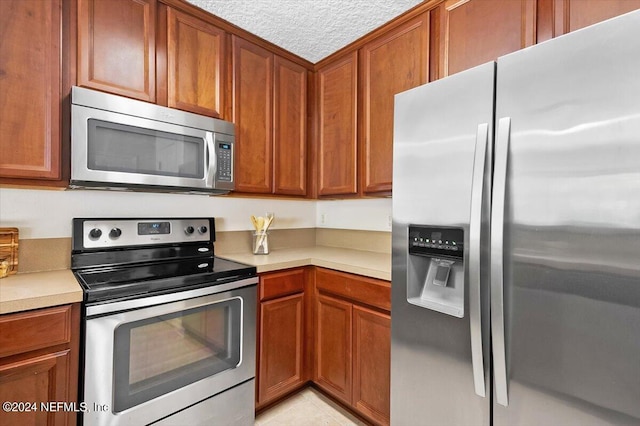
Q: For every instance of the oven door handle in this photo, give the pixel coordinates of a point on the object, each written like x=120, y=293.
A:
x=125, y=305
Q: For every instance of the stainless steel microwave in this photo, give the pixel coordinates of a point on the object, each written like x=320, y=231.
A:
x=120, y=143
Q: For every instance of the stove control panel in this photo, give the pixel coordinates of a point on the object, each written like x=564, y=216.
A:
x=109, y=233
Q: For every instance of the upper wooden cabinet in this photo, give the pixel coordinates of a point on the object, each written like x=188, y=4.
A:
x=390, y=64
x=337, y=114
x=290, y=128
x=269, y=110
x=467, y=33
x=252, y=114
x=116, y=47
x=196, y=64
x=562, y=16
x=118, y=52
x=30, y=89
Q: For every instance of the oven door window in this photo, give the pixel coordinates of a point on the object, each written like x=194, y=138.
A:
x=157, y=355
x=117, y=147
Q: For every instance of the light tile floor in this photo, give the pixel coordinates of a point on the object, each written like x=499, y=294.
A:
x=307, y=408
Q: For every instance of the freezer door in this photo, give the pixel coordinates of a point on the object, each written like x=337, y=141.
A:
x=439, y=338
x=570, y=246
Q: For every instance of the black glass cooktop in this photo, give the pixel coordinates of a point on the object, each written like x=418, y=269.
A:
x=118, y=281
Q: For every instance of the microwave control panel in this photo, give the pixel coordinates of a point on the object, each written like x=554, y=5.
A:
x=225, y=162
x=225, y=152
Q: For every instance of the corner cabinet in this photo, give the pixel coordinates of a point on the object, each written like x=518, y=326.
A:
x=337, y=153
x=281, y=337
x=117, y=47
x=30, y=89
x=353, y=341
x=39, y=364
x=269, y=109
x=392, y=63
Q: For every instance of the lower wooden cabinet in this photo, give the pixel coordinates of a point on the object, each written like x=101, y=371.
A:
x=353, y=341
x=333, y=346
x=39, y=364
x=281, y=335
x=328, y=327
x=371, y=361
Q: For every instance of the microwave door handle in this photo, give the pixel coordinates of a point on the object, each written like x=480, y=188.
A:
x=475, y=246
x=211, y=159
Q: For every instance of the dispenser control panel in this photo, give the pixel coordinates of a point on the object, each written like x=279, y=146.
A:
x=436, y=241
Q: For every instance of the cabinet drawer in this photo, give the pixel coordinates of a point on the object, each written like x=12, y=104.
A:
x=368, y=291
x=31, y=330
x=280, y=284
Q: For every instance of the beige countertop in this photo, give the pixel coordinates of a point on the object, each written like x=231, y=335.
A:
x=35, y=290
x=367, y=263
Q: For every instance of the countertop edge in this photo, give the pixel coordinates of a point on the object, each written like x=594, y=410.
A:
x=344, y=260
x=39, y=302
x=36, y=290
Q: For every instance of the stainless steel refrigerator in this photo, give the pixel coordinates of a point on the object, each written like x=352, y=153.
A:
x=516, y=238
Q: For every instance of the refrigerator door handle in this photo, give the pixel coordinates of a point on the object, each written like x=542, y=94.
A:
x=475, y=227
x=497, y=242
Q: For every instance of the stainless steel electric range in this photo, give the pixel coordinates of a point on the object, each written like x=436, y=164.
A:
x=168, y=328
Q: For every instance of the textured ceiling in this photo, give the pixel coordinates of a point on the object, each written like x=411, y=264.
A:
x=312, y=29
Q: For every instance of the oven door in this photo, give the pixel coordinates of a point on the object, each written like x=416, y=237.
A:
x=112, y=149
x=147, y=363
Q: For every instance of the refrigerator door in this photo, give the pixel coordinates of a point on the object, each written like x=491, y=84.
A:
x=570, y=246
x=440, y=340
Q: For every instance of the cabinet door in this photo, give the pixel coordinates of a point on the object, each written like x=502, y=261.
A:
x=333, y=347
x=116, y=47
x=393, y=63
x=30, y=141
x=280, y=356
x=253, y=115
x=337, y=150
x=37, y=380
x=471, y=32
x=371, y=363
x=562, y=16
x=290, y=128
x=195, y=64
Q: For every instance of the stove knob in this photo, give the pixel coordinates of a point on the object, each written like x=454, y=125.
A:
x=189, y=230
x=203, y=229
x=95, y=233
x=115, y=233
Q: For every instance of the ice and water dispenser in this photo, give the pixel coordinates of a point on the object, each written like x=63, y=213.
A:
x=436, y=268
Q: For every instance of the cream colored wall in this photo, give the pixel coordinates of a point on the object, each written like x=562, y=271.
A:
x=48, y=213
x=370, y=214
